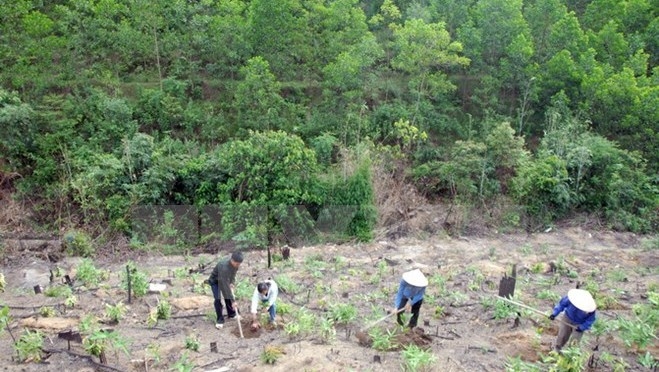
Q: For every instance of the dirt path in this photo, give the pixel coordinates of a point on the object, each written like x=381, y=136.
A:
x=457, y=322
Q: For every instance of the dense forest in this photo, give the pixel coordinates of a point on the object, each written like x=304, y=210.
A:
x=262, y=120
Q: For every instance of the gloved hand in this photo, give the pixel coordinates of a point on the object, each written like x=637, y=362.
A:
x=552, y=317
x=408, y=307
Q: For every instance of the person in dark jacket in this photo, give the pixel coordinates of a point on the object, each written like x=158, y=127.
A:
x=221, y=281
x=410, y=294
x=576, y=313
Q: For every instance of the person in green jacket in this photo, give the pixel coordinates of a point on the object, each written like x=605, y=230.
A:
x=221, y=281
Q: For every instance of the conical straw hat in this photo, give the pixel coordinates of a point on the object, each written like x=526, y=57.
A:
x=582, y=300
x=415, y=278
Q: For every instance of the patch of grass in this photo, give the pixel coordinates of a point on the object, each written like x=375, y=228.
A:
x=62, y=291
x=244, y=289
x=416, y=358
x=343, y=313
x=3, y=283
x=283, y=308
x=457, y=298
x=537, y=267
x=648, y=361
x=636, y=334
x=184, y=364
x=518, y=365
x=571, y=359
x=287, y=285
x=383, y=340
x=617, y=275
x=302, y=325
x=526, y=249
x=650, y=244
x=88, y=323
x=504, y=310
x=200, y=284
x=315, y=264
x=547, y=294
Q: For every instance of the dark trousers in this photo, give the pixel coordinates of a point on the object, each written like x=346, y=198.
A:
x=231, y=312
x=415, y=312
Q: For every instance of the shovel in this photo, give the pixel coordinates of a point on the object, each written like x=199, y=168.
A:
x=361, y=334
x=238, y=317
x=534, y=310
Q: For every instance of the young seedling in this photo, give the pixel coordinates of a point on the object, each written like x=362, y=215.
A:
x=417, y=359
x=271, y=354
x=115, y=312
x=382, y=340
x=192, y=343
x=29, y=346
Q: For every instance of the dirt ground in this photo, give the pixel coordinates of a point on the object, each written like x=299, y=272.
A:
x=455, y=324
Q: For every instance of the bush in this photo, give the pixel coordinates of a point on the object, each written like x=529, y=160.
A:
x=29, y=346
x=78, y=243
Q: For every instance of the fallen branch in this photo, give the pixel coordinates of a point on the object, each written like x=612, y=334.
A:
x=187, y=316
x=464, y=305
x=89, y=358
x=454, y=333
x=482, y=348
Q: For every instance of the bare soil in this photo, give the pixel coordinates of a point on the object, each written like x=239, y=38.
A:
x=454, y=324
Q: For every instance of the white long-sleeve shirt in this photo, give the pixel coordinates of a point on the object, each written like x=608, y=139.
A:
x=271, y=296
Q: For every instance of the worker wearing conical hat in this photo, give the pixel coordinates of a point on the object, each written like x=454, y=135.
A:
x=410, y=295
x=576, y=313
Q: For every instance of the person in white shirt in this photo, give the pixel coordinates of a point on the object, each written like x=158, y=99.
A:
x=265, y=293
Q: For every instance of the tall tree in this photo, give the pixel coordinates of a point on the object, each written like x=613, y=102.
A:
x=425, y=51
x=278, y=33
x=257, y=102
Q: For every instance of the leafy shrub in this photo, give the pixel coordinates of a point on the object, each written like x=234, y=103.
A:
x=570, y=359
x=417, y=359
x=139, y=282
x=115, y=312
x=184, y=364
x=382, y=340
x=88, y=274
x=541, y=185
x=350, y=199
x=268, y=169
x=271, y=354
x=192, y=343
x=58, y=291
x=100, y=341
x=78, y=243
x=47, y=311
x=164, y=310
x=29, y=346
x=343, y=313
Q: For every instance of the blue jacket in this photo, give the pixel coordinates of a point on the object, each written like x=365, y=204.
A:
x=410, y=292
x=582, y=319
